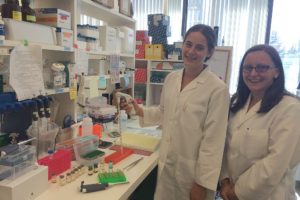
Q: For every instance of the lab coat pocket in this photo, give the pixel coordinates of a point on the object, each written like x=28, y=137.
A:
x=184, y=173
x=254, y=144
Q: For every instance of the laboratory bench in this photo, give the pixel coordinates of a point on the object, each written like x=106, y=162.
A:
x=135, y=176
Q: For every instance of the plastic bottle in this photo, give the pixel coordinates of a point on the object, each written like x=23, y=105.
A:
x=28, y=14
x=87, y=126
x=2, y=29
x=11, y=9
x=123, y=121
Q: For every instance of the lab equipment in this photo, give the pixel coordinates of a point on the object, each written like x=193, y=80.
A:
x=87, y=126
x=86, y=152
x=96, y=186
x=16, y=160
x=28, y=186
x=131, y=165
x=123, y=121
x=57, y=163
x=112, y=177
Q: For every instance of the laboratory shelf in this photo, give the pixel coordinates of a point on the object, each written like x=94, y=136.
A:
x=12, y=43
x=57, y=91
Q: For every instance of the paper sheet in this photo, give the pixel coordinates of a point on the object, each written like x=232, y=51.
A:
x=26, y=76
x=82, y=62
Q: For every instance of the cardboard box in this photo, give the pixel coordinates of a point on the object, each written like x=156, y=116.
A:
x=15, y=31
x=158, y=20
x=125, y=7
x=108, y=38
x=158, y=51
x=141, y=35
x=149, y=51
x=64, y=37
x=140, y=75
x=127, y=42
x=53, y=17
x=28, y=186
x=106, y=3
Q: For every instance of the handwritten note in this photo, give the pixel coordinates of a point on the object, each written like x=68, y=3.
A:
x=26, y=75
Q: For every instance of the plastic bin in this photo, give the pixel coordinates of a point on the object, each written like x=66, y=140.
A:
x=46, y=140
x=18, y=159
x=86, y=152
x=57, y=163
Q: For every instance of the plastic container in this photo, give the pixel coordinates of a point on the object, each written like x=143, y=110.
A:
x=11, y=9
x=28, y=14
x=18, y=160
x=123, y=121
x=86, y=151
x=58, y=162
x=87, y=126
x=45, y=139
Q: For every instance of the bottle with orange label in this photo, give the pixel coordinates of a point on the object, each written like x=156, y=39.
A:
x=11, y=9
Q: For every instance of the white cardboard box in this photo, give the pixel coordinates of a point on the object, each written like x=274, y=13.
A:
x=28, y=186
x=53, y=17
x=64, y=37
x=15, y=30
x=108, y=37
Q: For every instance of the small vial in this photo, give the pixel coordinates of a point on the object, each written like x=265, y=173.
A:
x=102, y=166
x=62, y=180
x=81, y=169
x=110, y=166
x=95, y=168
x=68, y=178
x=90, y=170
x=76, y=172
x=73, y=177
x=53, y=178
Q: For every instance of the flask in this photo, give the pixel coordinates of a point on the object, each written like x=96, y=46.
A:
x=2, y=29
x=123, y=121
x=28, y=14
x=11, y=9
x=87, y=126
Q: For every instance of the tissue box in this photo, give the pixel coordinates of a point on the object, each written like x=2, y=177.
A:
x=53, y=17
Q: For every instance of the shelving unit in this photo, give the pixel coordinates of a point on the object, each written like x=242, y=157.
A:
x=150, y=90
x=54, y=53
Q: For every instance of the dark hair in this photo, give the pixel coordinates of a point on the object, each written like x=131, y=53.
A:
x=208, y=33
x=273, y=94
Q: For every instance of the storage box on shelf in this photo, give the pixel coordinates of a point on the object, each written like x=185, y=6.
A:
x=157, y=70
x=116, y=37
x=70, y=10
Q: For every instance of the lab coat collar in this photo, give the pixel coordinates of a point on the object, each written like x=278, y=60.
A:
x=245, y=115
x=200, y=79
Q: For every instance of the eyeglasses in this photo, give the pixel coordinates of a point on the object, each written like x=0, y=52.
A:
x=259, y=68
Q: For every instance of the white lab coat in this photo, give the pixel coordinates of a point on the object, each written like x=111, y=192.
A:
x=262, y=151
x=194, y=123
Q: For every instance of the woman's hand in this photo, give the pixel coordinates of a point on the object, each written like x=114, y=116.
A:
x=138, y=110
x=198, y=192
x=227, y=190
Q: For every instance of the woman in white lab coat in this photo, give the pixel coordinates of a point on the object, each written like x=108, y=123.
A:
x=193, y=112
x=263, y=140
